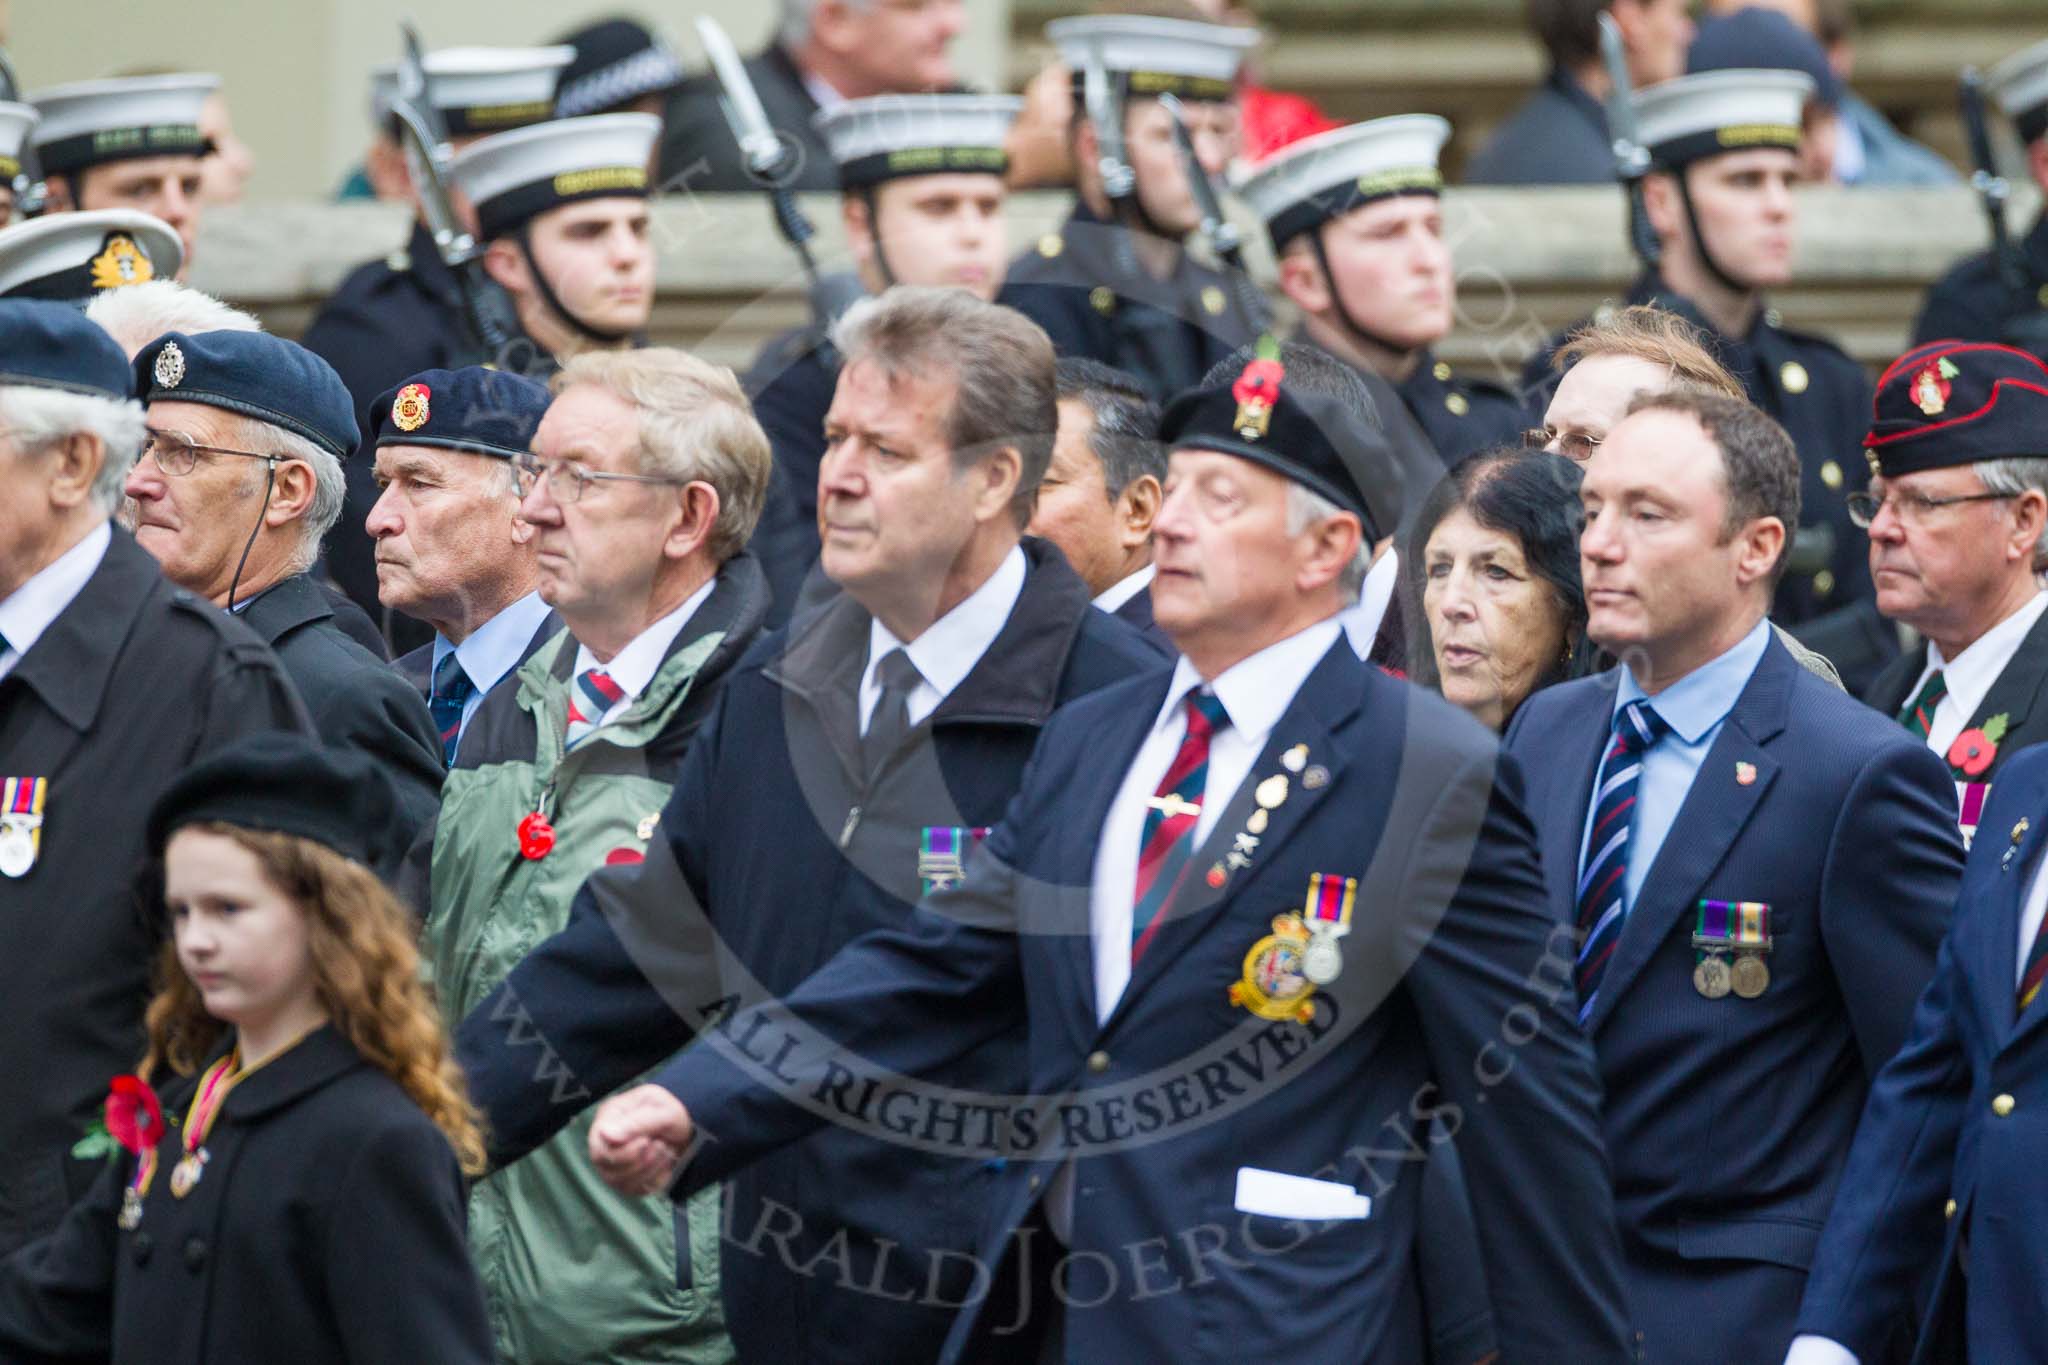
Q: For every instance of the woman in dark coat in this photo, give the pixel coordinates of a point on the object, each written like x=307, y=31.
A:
x=296, y=1194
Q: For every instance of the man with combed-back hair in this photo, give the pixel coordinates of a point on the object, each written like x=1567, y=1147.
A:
x=239, y=481
x=855, y=759
x=112, y=681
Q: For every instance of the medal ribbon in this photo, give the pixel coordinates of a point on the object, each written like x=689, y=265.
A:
x=942, y=853
x=1330, y=899
x=1733, y=924
x=214, y=1086
x=24, y=795
x=145, y=1171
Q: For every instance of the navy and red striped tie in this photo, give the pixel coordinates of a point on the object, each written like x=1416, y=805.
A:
x=594, y=695
x=1603, y=885
x=1168, y=840
x=451, y=692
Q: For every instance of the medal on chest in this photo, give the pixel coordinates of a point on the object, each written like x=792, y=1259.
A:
x=1740, y=928
x=214, y=1085
x=21, y=823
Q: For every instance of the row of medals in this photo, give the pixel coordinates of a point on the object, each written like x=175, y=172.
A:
x=184, y=1176
x=1716, y=976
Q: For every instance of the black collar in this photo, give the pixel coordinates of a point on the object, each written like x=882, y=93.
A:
x=71, y=663
x=321, y=1056
x=284, y=606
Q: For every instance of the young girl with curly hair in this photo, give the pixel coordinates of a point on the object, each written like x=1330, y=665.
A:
x=296, y=1138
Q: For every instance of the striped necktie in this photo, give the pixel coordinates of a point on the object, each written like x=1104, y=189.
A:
x=595, y=693
x=2037, y=968
x=1168, y=840
x=1918, y=716
x=1603, y=885
x=450, y=694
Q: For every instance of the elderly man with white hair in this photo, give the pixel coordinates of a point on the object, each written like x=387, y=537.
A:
x=241, y=480
x=111, y=682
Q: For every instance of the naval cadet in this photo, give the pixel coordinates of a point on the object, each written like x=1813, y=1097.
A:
x=452, y=549
x=241, y=480
x=855, y=760
x=130, y=143
x=1724, y=148
x=922, y=201
x=1756, y=869
x=1265, y=890
x=112, y=682
x=1957, y=512
x=394, y=317
x=1116, y=283
x=1985, y=298
x=1358, y=228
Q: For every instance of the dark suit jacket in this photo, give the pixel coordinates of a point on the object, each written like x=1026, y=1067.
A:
x=1137, y=614
x=133, y=682
x=354, y=697
x=1161, y=1105
x=1727, y=1120
x=697, y=148
x=1935, y=1163
x=2020, y=695
x=1557, y=137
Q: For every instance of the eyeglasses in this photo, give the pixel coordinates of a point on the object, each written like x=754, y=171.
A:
x=1913, y=509
x=569, y=480
x=1575, y=445
x=177, y=454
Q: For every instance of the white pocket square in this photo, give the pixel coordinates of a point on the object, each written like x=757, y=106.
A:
x=1276, y=1195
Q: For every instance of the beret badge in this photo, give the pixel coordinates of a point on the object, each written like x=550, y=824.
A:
x=409, y=411
x=1931, y=387
x=1256, y=390
x=170, y=366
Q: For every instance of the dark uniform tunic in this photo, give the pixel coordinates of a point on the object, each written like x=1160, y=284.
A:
x=326, y=1229
x=1166, y=332
x=1823, y=399
x=1972, y=302
x=132, y=683
x=356, y=699
x=1462, y=415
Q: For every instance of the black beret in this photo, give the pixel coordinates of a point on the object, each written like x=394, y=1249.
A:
x=487, y=412
x=286, y=784
x=256, y=375
x=1309, y=438
x=50, y=345
x=1954, y=403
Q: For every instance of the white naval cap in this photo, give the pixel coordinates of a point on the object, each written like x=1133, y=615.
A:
x=89, y=123
x=2020, y=85
x=891, y=136
x=1157, y=56
x=1308, y=183
x=510, y=177
x=1689, y=117
x=73, y=256
x=481, y=89
x=15, y=122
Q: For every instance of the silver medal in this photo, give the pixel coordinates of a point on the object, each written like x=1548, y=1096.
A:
x=1322, y=960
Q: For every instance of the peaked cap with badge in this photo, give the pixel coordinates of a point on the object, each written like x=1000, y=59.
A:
x=91, y=123
x=484, y=412
x=513, y=177
x=256, y=375
x=73, y=256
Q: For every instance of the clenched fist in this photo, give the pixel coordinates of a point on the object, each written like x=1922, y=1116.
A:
x=639, y=1138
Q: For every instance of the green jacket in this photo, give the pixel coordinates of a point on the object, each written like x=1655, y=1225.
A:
x=574, y=1273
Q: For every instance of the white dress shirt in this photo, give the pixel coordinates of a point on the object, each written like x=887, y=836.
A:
x=30, y=609
x=492, y=650
x=950, y=647
x=1124, y=589
x=1971, y=673
x=1254, y=693
x=633, y=667
x=1362, y=619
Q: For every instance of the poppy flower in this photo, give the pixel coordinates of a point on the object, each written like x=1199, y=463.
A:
x=1974, y=750
x=134, y=1117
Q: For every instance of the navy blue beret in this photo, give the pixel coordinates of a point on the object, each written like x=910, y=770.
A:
x=286, y=784
x=489, y=412
x=1954, y=403
x=1755, y=39
x=1308, y=438
x=49, y=345
x=256, y=375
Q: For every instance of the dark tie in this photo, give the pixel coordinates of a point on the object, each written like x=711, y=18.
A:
x=889, y=722
x=1603, y=885
x=452, y=691
x=1919, y=714
x=2037, y=967
x=1168, y=840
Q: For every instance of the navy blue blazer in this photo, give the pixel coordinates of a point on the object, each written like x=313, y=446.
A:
x=1728, y=1120
x=1449, y=1006
x=1939, y=1174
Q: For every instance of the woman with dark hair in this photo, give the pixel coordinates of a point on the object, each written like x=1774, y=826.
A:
x=1491, y=566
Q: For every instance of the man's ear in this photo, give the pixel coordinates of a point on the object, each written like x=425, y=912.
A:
x=1137, y=507
x=693, y=528
x=75, y=463
x=293, y=494
x=1661, y=205
x=506, y=264
x=58, y=195
x=1303, y=281
x=1763, y=544
x=1333, y=544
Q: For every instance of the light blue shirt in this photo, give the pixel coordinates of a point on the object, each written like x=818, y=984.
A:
x=1695, y=707
x=492, y=649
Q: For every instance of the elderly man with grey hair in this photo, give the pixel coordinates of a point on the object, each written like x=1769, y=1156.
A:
x=239, y=481
x=825, y=53
x=111, y=682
